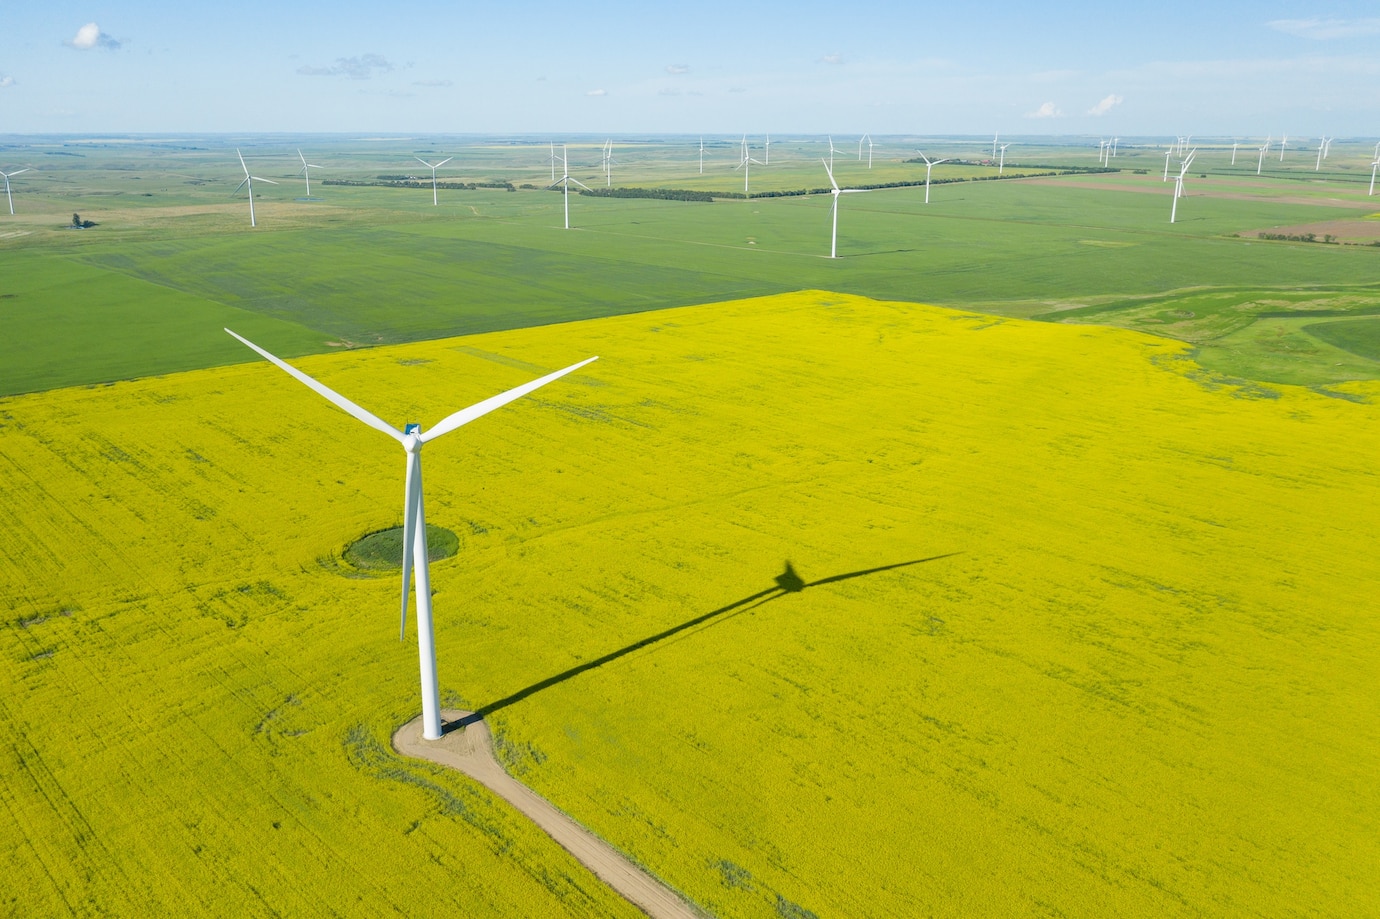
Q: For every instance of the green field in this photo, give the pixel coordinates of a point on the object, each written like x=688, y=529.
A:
x=371, y=265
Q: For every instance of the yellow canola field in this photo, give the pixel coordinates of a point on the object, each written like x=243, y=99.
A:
x=1069, y=627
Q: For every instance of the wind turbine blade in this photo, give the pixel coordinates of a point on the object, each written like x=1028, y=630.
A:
x=269, y=181
x=830, y=173
x=581, y=184
x=443, y=162
x=301, y=157
x=18, y=171
x=466, y=415
x=422, y=161
x=239, y=186
x=412, y=493
x=340, y=401
x=242, y=165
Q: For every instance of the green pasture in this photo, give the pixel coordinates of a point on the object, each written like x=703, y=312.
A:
x=172, y=258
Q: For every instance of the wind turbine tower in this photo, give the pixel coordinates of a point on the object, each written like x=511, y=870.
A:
x=433, y=174
x=929, y=165
x=249, y=180
x=415, y=562
x=553, y=167
x=1284, y=142
x=1264, y=149
x=1373, y=167
x=1001, y=164
x=1179, y=186
x=766, y=152
x=1233, y=155
x=746, y=166
x=1322, y=152
x=26, y=169
x=565, y=180
x=306, y=167
x=834, y=209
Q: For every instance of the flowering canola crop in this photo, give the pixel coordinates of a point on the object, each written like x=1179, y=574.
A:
x=810, y=603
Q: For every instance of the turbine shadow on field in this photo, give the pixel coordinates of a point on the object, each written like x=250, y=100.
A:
x=786, y=583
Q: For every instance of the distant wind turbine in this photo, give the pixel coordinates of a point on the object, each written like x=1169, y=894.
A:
x=1233, y=156
x=433, y=174
x=565, y=180
x=834, y=209
x=1372, y=176
x=415, y=562
x=994, y=144
x=1284, y=142
x=1001, y=164
x=929, y=165
x=553, y=159
x=26, y=169
x=306, y=174
x=865, y=139
x=1322, y=152
x=1167, y=154
x=746, y=166
x=1179, y=185
x=553, y=166
x=249, y=181
x=766, y=152
x=1260, y=163
x=832, y=151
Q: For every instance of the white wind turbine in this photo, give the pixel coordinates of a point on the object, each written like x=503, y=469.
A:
x=7, y=186
x=832, y=151
x=608, y=163
x=553, y=158
x=1233, y=154
x=1102, y=148
x=1372, y=176
x=766, y=152
x=929, y=165
x=565, y=180
x=415, y=560
x=1001, y=164
x=1179, y=185
x=1284, y=142
x=1167, y=154
x=994, y=144
x=249, y=180
x=1322, y=152
x=433, y=174
x=834, y=209
x=1115, y=141
x=305, y=170
x=1264, y=149
x=867, y=139
x=553, y=166
x=746, y=166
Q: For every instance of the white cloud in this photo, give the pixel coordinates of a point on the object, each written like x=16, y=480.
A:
x=677, y=69
x=6, y=82
x=834, y=58
x=356, y=68
x=90, y=36
x=1324, y=29
x=1106, y=105
x=1048, y=110
x=597, y=92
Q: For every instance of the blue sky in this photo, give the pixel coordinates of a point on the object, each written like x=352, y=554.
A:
x=1172, y=67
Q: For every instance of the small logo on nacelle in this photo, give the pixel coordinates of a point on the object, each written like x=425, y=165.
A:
x=412, y=427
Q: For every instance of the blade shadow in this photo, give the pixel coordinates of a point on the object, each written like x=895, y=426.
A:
x=786, y=583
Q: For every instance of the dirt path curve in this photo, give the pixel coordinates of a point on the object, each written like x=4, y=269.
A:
x=466, y=745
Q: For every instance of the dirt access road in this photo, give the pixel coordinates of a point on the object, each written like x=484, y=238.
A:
x=467, y=745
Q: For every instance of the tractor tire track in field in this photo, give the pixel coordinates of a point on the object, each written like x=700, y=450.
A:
x=467, y=745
